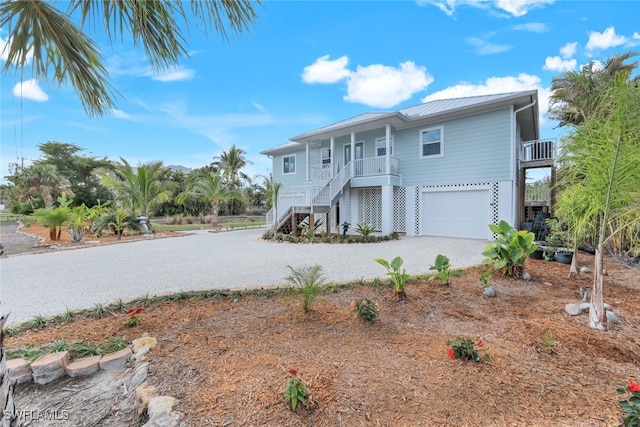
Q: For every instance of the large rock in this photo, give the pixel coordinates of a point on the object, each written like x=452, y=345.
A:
x=573, y=309
x=49, y=367
x=84, y=366
x=161, y=413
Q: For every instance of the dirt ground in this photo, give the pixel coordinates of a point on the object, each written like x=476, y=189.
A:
x=226, y=359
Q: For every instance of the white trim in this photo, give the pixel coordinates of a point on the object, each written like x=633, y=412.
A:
x=421, y=143
x=384, y=138
x=295, y=164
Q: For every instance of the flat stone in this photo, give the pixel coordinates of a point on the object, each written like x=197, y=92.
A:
x=573, y=309
x=50, y=362
x=612, y=318
x=85, y=366
x=139, y=374
x=115, y=360
x=19, y=370
x=144, y=343
x=48, y=376
x=585, y=307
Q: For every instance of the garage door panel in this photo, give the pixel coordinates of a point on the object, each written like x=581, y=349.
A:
x=456, y=213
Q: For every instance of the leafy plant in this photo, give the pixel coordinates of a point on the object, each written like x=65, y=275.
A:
x=399, y=278
x=53, y=219
x=309, y=230
x=296, y=391
x=631, y=406
x=485, y=277
x=117, y=220
x=366, y=309
x=547, y=339
x=309, y=279
x=68, y=314
x=99, y=310
x=133, y=316
x=365, y=230
x=78, y=222
x=38, y=321
x=443, y=267
x=465, y=348
x=510, y=249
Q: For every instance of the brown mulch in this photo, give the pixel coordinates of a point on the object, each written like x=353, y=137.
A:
x=226, y=359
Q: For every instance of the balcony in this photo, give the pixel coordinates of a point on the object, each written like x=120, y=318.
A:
x=539, y=153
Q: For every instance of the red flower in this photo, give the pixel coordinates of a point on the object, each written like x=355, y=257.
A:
x=479, y=343
x=451, y=354
x=634, y=387
x=293, y=371
x=135, y=310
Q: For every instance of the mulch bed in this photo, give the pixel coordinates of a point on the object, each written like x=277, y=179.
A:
x=227, y=358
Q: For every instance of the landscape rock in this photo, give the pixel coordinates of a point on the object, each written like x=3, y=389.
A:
x=84, y=366
x=526, y=276
x=607, y=306
x=161, y=414
x=144, y=393
x=573, y=309
x=49, y=367
x=612, y=318
x=139, y=374
x=585, y=270
x=144, y=343
x=115, y=360
x=489, y=292
x=19, y=370
x=585, y=307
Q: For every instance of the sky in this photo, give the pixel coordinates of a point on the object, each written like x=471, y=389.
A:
x=307, y=64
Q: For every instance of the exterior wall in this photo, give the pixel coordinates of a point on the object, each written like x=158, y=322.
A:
x=476, y=149
x=290, y=180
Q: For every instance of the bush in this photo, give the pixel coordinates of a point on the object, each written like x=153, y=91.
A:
x=510, y=249
x=309, y=279
x=366, y=309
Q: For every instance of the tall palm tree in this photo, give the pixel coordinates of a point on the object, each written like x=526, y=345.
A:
x=139, y=189
x=230, y=164
x=576, y=95
x=210, y=187
x=46, y=40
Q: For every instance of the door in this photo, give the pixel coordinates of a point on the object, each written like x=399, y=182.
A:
x=359, y=155
x=463, y=213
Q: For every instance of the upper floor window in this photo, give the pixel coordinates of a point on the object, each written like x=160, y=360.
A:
x=326, y=156
x=381, y=146
x=432, y=142
x=289, y=164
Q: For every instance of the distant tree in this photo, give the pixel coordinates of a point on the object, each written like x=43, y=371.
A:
x=209, y=187
x=139, y=189
x=230, y=164
x=43, y=180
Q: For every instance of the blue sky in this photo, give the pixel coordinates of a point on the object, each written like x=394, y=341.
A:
x=308, y=64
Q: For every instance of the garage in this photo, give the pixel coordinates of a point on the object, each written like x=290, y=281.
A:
x=463, y=213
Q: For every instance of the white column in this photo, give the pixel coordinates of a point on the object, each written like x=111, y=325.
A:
x=332, y=156
x=307, y=160
x=387, y=159
x=353, y=153
x=387, y=209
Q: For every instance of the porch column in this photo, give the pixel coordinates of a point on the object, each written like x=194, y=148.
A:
x=307, y=160
x=332, y=156
x=387, y=157
x=387, y=209
x=353, y=153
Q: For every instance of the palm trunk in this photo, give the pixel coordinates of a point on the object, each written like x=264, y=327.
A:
x=597, y=314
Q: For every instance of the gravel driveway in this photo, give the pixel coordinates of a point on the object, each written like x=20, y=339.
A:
x=49, y=283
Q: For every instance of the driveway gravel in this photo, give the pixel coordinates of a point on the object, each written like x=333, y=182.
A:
x=49, y=283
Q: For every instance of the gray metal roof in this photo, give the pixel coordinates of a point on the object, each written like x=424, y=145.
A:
x=411, y=116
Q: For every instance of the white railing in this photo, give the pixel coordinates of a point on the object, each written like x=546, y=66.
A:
x=339, y=181
x=536, y=194
x=375, y=166
x=317, y=172
x=541, y=149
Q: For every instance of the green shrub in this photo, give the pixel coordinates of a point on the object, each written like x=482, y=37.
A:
x=309, y=279
x=366, y=309
x=510, y=249
x=365, y=230
x=399, y=278
x=443, y=267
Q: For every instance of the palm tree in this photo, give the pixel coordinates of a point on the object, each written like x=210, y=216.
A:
x=45, y=39
x=230, y=164
x=577, y=95
x=601, y=177
x=44, y=180
x=210, y=187
x=139, y=189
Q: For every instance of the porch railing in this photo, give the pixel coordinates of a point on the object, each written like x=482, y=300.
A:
x=375, y=166
x=541, y=149
x=536, y=194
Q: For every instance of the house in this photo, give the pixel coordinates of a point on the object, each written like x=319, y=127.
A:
x=443, y=168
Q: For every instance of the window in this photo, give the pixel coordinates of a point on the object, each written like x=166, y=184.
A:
x=431, y=142
x=326, y=156
x=289, y=164
x=381, y=146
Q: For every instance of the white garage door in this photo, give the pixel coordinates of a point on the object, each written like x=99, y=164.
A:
x=456, y=213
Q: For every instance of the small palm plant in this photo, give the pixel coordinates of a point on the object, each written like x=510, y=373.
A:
x=365, y=230
x=399, y=278
x=309, y=279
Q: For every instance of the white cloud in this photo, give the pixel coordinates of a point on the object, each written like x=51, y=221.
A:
x=555, y=63
x=605, y=40
x=532, y=27
x=383, y=86
x=29, y=89
x=495, y=85
x=483, y=47
x=174, y=75
x=568, y=50
x=520, y=7
x=119, y=114
x=513, y=7
x=326, y=71
x=258, y=106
